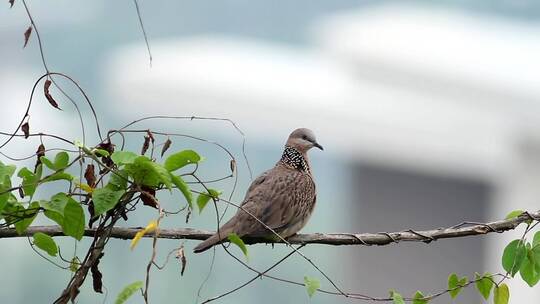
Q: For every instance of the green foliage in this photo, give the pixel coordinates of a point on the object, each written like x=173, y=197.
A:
x=183, y=187
x=123, y=157
x=484, y=284
x=28, y=215
x=396, y=297
x=501, y=294
x=67, y=212
x=203, y=198
x=119, y=179
x=515, y=214
x=73, y=224
x=45, y=243
x=312, y=284
x=61, y=161
x=455, y=284
x=30, y=179
x=419, y=298
x=105, y=199
x=146, y=172
x=128, y=291
x=530, y=269
x=513, y=256
x=181, y=159
x=235, y=239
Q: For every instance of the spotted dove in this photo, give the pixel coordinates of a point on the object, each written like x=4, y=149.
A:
x=282, y=198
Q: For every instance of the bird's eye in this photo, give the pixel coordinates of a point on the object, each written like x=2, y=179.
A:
x=304, y=137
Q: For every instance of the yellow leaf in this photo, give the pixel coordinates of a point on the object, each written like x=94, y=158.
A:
x=85, y=187
x=149, y=228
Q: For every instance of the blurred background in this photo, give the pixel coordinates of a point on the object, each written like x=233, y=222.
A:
x=428, y=113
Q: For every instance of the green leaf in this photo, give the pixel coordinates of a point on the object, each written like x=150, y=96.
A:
x=57, y=204
x=181, y=159
x=119, y=179
x=203, y=198
x=123, y=157
x=6, y=171
x=513, y=214
x=105, y=199
x=128, y=291
x=455, y=284
x=501, y=295
x=530, y=269
x=30, y=180
x=47, y=162
x=73, y=223
x=235, y=239
x=29, y=215
x=484, y=284
x=45, y=243
x=101, y=152
x=146, y=172
x=396, y=297
x=419, y=298
x=58, y=176
x=312, y=284
x=61, y=160
x=74, y=264
x=184, y=188
x=513, y=256
x=536, y=239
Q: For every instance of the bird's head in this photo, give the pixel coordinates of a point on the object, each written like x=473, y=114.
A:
x=302, y=140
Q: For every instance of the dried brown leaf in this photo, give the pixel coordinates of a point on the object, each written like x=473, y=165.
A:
x=181, y=255
x=27, y=34
x=92, y=213
x=166, y=146
x=90, y=175
x=233, y=165
x=146, y=144
x=148, y=197
x=151, y=136
x=48, y=94
x=39, y=153
x=26, y=129
x=21, y=192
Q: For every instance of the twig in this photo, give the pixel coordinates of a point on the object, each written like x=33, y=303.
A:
x=315, y=238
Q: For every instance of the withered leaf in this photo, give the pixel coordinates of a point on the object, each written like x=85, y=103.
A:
x=48, y=94
x=27, y=34
x=233, y=165
x=39, y=153
x=92, y=213
x=180, y=254
x=166, y=146
x=97, y=276
x=151, y=136
x=148, y=197
x=146, y=144
x=107, y=146
x=26, y=129
x=21, y=192
x=90, y=175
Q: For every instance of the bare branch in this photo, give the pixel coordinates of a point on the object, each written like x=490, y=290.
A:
x=366, y=239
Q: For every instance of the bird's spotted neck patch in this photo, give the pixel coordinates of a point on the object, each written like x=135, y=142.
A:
x=294, y=159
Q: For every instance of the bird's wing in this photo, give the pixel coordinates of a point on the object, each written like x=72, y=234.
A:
x=276, y=201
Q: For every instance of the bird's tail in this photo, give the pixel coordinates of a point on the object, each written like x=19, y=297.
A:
x=211, y=241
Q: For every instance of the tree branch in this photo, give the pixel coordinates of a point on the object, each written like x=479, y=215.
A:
x=367, y=239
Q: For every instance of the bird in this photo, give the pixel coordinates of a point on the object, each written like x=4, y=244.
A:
x=283, y=197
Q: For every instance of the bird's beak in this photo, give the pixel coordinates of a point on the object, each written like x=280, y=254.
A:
x=318, y=146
